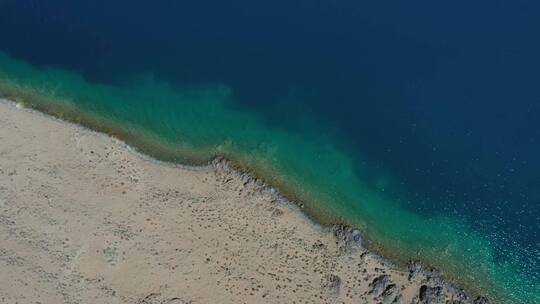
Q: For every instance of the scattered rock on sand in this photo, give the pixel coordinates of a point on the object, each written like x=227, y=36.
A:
x=318, y=245
x=331, y=282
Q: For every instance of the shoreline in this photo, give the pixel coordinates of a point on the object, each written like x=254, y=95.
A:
x=449, y=244
x=349, y=239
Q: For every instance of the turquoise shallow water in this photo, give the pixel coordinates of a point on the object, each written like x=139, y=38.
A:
x=194, y=123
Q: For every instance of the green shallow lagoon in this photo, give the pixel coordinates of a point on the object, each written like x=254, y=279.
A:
x=194, y=124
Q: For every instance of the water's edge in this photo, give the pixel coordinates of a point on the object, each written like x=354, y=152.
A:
x=350, y=236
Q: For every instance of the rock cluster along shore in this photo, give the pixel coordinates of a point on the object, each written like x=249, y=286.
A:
x=85, y=220
x=350, y=240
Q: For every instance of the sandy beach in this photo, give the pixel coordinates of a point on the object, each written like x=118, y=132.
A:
x=85, y=219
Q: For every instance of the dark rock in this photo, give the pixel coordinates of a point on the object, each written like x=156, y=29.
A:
x=351, y=237
x=221, y=163
x=398, y=300
x=414, y=269
x=432, y=275
x=481, y=300
x=379, y=285
x=461, y=295
x=431, y=295
x=390, y=293
x=176, y=301
x=153, y=298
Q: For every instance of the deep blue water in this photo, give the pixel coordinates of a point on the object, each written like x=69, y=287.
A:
x=438, y=103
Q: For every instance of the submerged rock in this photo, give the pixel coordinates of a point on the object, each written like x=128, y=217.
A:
x=431, y=295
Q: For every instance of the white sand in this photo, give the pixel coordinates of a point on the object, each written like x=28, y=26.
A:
x=84, y=220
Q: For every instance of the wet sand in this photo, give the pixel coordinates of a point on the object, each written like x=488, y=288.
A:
x=85, y=219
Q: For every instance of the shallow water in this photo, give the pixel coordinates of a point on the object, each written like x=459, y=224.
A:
x=425, y=136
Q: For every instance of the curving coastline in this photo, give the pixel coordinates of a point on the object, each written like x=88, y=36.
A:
x=382, y=280
x=194, y=124
x=338, y=197
x=423, y=138
x=350, y=240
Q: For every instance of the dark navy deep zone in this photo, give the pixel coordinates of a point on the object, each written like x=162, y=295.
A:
x=438, y=104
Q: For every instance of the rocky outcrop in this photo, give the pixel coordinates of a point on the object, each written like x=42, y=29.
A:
x=431, y=295
x=349, y=237
x=224, y=165
x=390, y=294
x=379, y=285
x=383, y=289
x=414, y=269
x=481, y=300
